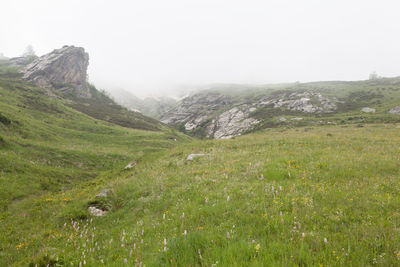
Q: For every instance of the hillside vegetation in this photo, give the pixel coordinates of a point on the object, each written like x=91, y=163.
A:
x=322, y=195
x=48, y=148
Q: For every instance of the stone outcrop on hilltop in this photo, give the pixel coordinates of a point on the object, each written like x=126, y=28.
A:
x=223, y=116
x=63, y=69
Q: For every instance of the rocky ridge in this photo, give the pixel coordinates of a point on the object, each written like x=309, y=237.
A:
x=225, y=116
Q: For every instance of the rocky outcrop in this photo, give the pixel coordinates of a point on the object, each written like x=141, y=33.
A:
x=395, y=110
x=222, y=115
x=368, y=110
x=307, y=102
x=195, y=110
x=63, y=69
x=231, y=123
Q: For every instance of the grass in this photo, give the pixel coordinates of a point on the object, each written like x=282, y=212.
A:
x=330, y=196
x=307, y=196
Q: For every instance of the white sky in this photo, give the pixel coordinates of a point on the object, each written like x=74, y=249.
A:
x=148, y=45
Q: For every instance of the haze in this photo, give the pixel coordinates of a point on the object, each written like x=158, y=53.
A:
x=149, y=47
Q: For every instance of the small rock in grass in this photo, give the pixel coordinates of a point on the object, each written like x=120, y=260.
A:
x=192, y=156
x=96, y=212
x=130, y=165
x=368, y=110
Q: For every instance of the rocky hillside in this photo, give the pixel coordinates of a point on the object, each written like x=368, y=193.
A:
x=227, y=111
x=62, y=73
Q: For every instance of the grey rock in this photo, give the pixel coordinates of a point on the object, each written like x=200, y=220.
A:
x=297, y=119
x=130, y=165
x=63, y=69
x=231, y=123
x=96, y=212
x=282, y=119
x=368, y=110
x=193, y=156
x=395, y=110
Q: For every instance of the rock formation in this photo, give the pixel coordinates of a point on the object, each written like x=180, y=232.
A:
x=222, y=115
x=63, y=69
x=395, y=110
x=368, y=110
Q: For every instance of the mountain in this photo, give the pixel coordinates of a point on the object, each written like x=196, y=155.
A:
x=81, y=191
x=225, y=111
x=63, y=75
x=149, y=106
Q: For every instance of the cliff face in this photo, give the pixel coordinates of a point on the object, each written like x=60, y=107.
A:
x=63, y=69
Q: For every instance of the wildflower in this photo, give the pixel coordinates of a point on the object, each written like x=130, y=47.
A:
x=325, y=240
x=20, y=245
x=272, y=188
x=185, y=232
x=303, y=235
x=253, y=241
x=165, y=241
x=134, y=246
x=200, y=254
x=130, y=253
x=257, y=248
x=123, y=231
x=141, y=241
x=262, y=177
x=282, y=221
x=163, y=216
x=280, y=188
x=183, y=215
x=228, y=235
x=165, y=248
x=125, y=261
x=122, y=239
x=206, y=200
x=102, y=261
x=227, y=199
x=280, y=213
x=142, y=231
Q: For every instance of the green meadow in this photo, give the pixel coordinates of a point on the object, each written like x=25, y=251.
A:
x=288, y=196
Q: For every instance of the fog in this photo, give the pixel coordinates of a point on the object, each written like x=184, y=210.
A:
x=154, y=46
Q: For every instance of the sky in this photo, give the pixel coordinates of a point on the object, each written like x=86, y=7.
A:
x=153, y=46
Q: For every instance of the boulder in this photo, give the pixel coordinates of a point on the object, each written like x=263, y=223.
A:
x=63, y=69
x=96, y=212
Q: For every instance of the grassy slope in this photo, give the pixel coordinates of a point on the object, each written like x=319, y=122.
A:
x=48, y=148
x=335, y=182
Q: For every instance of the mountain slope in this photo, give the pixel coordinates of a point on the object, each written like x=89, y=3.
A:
x=229, y=110
x=47, y=147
